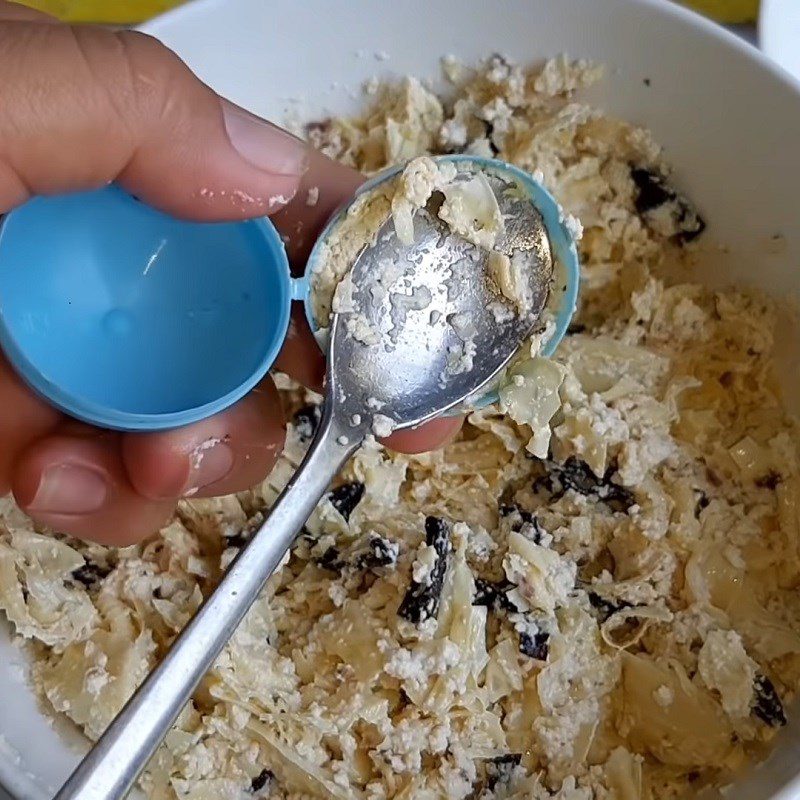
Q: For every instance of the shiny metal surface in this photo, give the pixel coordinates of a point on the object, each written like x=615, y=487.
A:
x=427, y=301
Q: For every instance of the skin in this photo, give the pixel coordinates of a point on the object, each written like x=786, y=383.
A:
x=82, y=108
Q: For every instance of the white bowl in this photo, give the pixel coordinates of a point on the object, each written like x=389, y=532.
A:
x=729, y=119
x=779, y=33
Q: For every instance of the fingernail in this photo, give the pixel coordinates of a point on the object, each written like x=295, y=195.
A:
x=69, y=489
x=263, y=144
x=210, y=462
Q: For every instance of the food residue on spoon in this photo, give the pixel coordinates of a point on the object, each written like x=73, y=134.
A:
x=468, y=207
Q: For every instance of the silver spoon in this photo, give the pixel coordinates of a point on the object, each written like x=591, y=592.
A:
x=442, y=341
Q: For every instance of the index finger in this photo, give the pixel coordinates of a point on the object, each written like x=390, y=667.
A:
x=326, y=185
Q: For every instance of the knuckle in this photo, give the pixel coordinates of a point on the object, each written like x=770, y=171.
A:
x=108, y=69
x=156, y=76
x=134, y=72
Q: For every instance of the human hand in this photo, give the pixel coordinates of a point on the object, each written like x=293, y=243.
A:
x=82, y=108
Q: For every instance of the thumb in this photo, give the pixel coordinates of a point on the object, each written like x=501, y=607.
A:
x=82, y=107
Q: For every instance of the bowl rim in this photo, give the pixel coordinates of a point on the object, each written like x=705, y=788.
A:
x=669, y=8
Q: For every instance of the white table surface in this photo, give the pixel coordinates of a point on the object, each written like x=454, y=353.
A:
x=747, y=32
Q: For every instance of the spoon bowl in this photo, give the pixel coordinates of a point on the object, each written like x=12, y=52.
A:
x=530, y=211
x=438, y=331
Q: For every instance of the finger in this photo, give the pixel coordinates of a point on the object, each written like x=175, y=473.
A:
x=78, y=485
x=300, y=356
x=431, y=436
x=24, y=419
x=227, y=453
x=85, y=106
x=323, y=189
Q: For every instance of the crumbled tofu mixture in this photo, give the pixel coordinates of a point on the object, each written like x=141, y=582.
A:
x=608, y=610
x=469, y=208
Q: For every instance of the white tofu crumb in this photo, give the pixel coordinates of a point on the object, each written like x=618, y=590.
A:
x=199, y=452
x=724, y=666
x=664, y=696
x=424, y=563
x=382, y=426
x=337, y=594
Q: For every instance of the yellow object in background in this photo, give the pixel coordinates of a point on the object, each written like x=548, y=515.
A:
x=122, y=12
x=727, y=11
x=110, y=12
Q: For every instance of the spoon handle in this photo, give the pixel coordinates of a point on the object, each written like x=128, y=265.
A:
x=112, y=766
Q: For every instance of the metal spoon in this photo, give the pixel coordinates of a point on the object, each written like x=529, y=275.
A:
x=442, y=340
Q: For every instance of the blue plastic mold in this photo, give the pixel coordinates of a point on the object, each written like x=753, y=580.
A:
x=126, y=318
